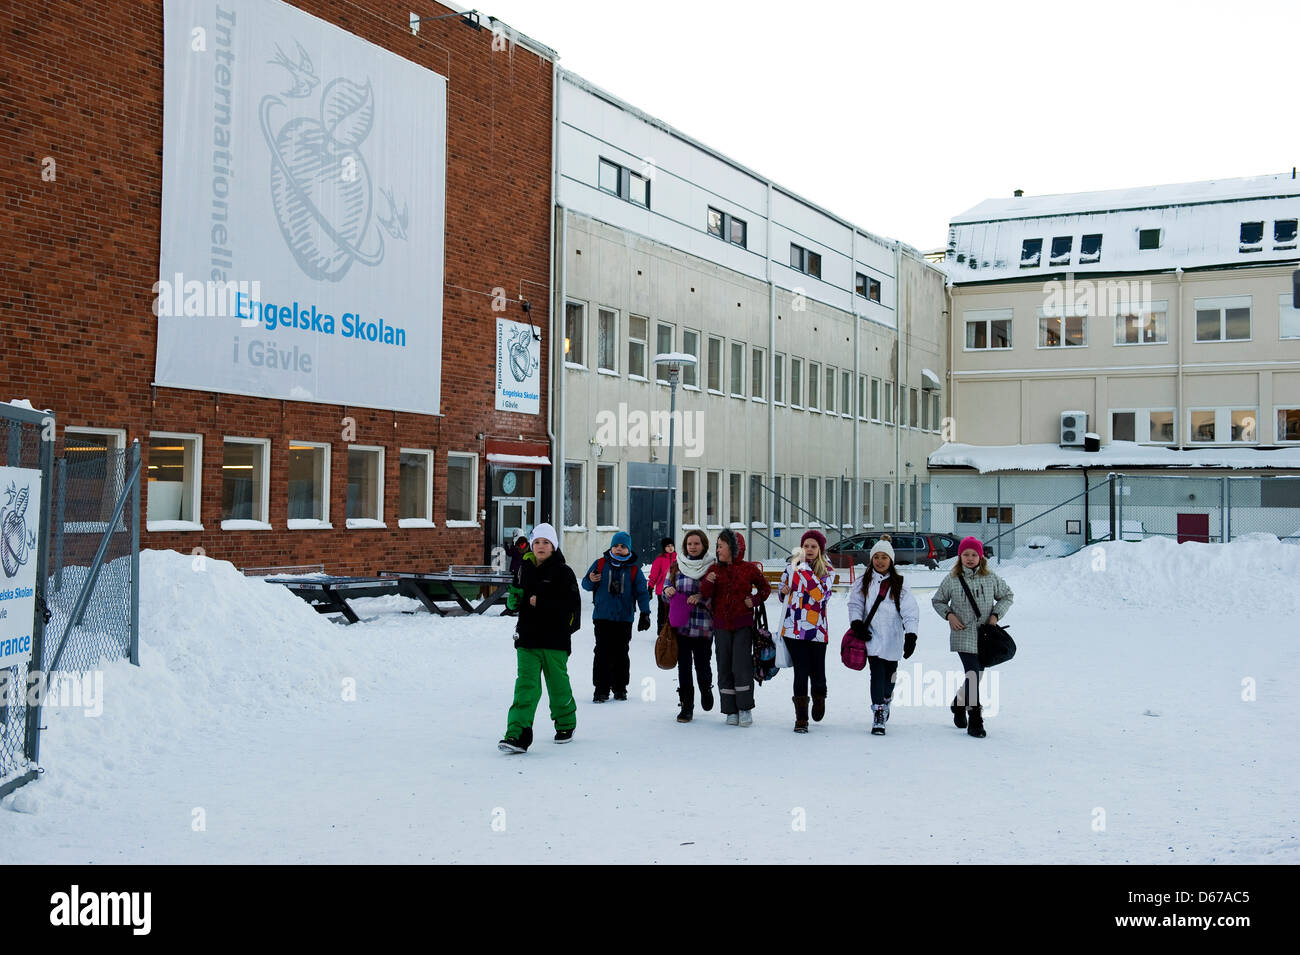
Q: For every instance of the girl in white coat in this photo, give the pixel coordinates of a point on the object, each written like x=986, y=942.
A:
x=891, y=633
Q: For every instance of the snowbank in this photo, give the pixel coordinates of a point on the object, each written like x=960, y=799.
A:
x=1118, y=454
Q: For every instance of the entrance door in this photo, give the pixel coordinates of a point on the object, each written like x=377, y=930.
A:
x=514, y=518
x=1194, y=527
x=647, y=519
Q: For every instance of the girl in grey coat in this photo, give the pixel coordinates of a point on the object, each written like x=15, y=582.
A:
x=993, y=597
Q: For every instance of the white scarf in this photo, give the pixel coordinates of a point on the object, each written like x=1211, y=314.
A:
x=693, y=569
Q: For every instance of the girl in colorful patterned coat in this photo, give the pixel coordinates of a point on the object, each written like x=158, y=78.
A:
x=691, y=618
x=806, y=589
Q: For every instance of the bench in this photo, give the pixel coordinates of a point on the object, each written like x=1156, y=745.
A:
x=331, y=594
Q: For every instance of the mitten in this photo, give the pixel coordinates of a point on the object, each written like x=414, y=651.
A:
x=909, y=644
x=859, y=628
x=644, y=622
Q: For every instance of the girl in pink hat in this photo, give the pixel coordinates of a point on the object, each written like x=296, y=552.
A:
x=806, y=589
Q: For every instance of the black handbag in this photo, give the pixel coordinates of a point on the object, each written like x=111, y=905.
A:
x=994, y=643
x=764, y=647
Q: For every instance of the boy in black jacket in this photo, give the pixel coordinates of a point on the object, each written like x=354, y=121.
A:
x=550, y=611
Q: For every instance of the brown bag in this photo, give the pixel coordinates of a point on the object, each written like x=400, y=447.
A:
x=666, y=648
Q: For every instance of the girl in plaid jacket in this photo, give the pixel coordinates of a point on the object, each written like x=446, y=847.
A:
x=691, y=617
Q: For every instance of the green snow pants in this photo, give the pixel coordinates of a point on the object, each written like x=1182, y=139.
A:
x=533, y=666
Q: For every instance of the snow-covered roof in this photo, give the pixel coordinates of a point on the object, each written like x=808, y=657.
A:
x=1199, y=224
x=1117, y=454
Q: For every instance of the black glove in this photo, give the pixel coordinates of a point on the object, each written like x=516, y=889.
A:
x=909, y=644
x=860, y=630
x=644, y=622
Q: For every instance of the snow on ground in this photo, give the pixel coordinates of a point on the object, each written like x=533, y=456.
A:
x=1120, y=733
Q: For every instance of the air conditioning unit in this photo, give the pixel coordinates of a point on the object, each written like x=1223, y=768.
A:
x=1074, y=426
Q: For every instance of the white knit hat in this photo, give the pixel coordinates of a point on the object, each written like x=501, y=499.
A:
x=545, y=532
x=883, y=547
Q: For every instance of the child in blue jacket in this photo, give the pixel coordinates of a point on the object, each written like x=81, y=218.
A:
x=618, y=587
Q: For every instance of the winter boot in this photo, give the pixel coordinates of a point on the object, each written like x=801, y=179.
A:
x=601, y=695
x=706, y=698
x=733, y=719
x=564, y=736
x=620, y=694
x=819, y=706
x=800, y=714
x=958, y=715
x=746, y=718
x=976, y=727
x=878, y=719
x=517, y=744
x=886, y=712
x=687, y=696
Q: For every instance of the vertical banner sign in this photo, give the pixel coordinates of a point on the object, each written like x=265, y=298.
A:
x=20, y=529
x=519, y=368
x=303, y=203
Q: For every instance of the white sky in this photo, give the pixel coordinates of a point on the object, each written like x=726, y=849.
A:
x=899, y=116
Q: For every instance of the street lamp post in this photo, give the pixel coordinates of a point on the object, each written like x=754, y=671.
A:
x=672, y=361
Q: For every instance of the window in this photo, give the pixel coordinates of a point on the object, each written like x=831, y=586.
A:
x=1288, y=424
x=830, y=391
x=175, y=461
x=756, y=512
x=713, y=498
x=715, y=365
x=796, y=515
x=935, y=421
x=814, y=382
x=1062, y=249
x=573, y=515
x=846, y=394
x=691, y=370
x=1244, y=425
x=606, y=499
x=886, y=495
x=814, y=518
x=737, y=370
x=637, y=326
x=864, y=505
x=1161, y=426
x=1202, y=425
x=1223, y=319
x=1252, y=236
x=1058, y=331
x=875, y=399
x=664, y=335
x=736, y=498
x=414, y=487
x=245, y=473
x=1144, y=325
x=828, y=501
x=575, y=321
x=1090, y=249
x=1143, y=425
x=758, y=373
x=1149, y=238
x=911, y=404
x=623, y=182
x=309, y=482
x=462, y=487
x=727, y=227
x=778, y=379
x=1031, y=253
x=970, y=514
x=689, y=480
x=925, y=412
x=95, y=472
x=796, y=383
x=778, y=505
x=988, y=328
x=846, y=503
x=365, y=491
x=867, y=287
x=1123, y=425
x=810, y=263
x=1284, y=232
x=889, y=402
x=862, y=397
x=607, y=339
x=1223, y=425
x=1289, y=317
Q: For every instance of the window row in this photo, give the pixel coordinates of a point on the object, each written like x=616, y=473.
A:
x=1061, y=251
x=1252, y=235
x=1223, y=425
x=714, y=499
x=1222, y=319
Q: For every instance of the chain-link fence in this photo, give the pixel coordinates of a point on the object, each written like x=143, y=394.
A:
x=25, y=442
x=1208, y=509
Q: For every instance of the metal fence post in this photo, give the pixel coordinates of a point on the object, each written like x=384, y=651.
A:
x=61, y=492
x=1225, y=504
x=135, y=553
x=999, y=513
x=1119, y=508
x=1110, y=483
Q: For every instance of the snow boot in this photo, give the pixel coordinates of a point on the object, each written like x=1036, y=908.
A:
x=621, y=695
x=878, y=719
x=687, y=696
x=976, y=726
x=706, y=698
x=958, y=715
x=564, y=736
x=819, y=706
x=733, y=719
x=517, y=744
x=800, y=714
x=886, y=712
x=600, y=696
x=746, y=718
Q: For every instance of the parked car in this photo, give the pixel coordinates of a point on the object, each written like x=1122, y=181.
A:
x=945, y=545
x=908, y=549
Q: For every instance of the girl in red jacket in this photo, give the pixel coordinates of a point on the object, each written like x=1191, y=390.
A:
x=731, y=584
x=659, y=579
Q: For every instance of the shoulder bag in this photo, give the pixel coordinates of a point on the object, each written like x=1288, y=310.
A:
x=994, y=643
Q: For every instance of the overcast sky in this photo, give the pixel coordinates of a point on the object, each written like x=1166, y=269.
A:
x=899, y=116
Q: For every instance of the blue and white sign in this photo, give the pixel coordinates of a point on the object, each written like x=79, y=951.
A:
x=519, y=368
x=20, y=529
x=303, y=207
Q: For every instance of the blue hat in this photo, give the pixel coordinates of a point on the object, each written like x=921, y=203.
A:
x=622, y=537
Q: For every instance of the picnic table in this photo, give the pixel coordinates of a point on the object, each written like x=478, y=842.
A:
x=330, y=594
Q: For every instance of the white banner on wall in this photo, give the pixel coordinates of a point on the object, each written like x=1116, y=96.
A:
x=519, y=371
x=303, y=205
x=20, y=529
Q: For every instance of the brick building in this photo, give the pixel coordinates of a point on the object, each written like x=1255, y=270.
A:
x=257, y=478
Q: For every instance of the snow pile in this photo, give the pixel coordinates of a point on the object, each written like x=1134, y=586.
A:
x=1118, y=454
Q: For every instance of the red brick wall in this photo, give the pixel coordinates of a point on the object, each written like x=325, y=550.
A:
x=82, y=84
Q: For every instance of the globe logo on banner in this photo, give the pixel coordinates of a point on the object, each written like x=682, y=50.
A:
x=319, y=176
x=17, y=542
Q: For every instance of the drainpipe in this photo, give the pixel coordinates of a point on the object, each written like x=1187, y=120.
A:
x=771, y=365
x=898, y=384
x=559, y=256
x=1178, y=424
x=855, y=420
